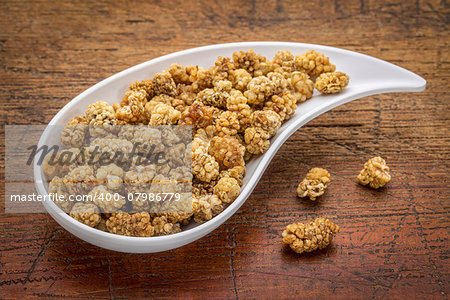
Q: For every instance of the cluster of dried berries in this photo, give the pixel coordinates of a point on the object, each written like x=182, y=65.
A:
x=107, y=185
x=318, y=234
x=235, y=108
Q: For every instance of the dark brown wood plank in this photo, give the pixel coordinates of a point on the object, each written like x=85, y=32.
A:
x=394, y=243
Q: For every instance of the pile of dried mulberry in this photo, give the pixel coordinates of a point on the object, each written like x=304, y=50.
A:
x=234, y=108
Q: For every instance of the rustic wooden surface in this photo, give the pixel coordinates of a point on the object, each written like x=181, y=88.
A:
x=394, y=243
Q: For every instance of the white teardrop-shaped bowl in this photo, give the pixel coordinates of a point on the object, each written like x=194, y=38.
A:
x=368, y=76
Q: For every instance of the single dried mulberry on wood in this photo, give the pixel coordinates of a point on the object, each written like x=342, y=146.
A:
x=314, y=184
x=375, y=173
x=308, y=237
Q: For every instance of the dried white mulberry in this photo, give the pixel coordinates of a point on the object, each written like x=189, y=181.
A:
x=283, y=62
x=223, y=68
x=110, y=175
x=268, y=120
x=164, y=114
x=139, y=178
x=331, y=83
x=301, y=86
x=213, y=97
x=308, y=237
x=314, y=184
x=197, y=115
x=100, y=113
x=163, y=227
x=86, y=213
x=227, y=124
x=147, y=85
x=237, y=173
x=80, y=180
x=227, y=151
x=75, y=133
x=255, y=64
x=106, y=200
x=132, y=108
x=227, y=189
x=257, y=140
x=58, y=188
x=201, y=78
x=259, y=89
x=206, y=207
x=164, y=84
x=240, y=79
x=375, y=173
x=279, y=82
x=284, y=105
x=178, y=73
x=234, y=108
x=138, y=224
x=237, y=103
x=313, y=63
x=204, y=166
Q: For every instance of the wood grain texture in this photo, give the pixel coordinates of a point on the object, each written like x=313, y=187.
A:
x=394, y=243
